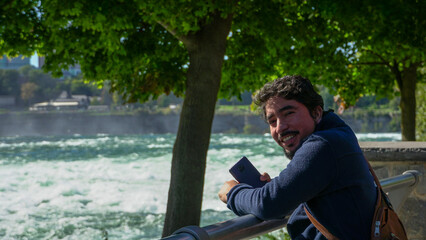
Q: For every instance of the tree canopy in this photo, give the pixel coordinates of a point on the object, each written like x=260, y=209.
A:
x=139, y=46
x=373, y=48
x=126, y=42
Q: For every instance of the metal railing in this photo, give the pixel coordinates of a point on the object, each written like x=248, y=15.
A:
x=245, y=227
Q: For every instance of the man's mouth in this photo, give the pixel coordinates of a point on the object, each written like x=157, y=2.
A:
x=286, y=136
x=285, y=139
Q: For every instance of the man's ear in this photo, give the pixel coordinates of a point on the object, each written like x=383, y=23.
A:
x=317, y=114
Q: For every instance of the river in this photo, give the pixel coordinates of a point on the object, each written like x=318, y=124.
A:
x=115, y=186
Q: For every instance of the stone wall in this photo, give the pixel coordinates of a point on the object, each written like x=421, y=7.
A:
x=69, y=123
x=393, y=158
x=36, y=124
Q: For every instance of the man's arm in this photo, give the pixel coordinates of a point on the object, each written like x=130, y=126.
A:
x=312, y=169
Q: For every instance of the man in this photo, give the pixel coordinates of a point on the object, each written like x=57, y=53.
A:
x=328, y=174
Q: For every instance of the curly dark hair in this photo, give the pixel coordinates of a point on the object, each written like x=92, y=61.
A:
x=292, y=88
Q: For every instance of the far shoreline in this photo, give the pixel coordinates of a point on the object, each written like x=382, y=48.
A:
x=26, y=123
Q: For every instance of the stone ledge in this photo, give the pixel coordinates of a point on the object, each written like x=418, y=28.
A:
x=394, y=151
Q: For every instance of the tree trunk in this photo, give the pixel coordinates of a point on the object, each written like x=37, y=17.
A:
x=206, y=49
x=408, y=103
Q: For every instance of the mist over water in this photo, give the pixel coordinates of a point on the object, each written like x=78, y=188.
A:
x=93, y=187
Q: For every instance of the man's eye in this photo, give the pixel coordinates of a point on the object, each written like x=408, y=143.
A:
x=272, y=122
x=288, y=113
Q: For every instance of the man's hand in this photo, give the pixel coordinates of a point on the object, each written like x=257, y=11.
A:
x=225, y=189
x=264, y=177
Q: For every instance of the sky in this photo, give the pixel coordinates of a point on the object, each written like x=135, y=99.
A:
x=34, y=60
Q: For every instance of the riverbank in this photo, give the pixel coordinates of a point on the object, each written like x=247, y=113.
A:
x=85, y=122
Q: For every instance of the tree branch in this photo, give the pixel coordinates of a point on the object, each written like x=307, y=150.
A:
x=397, y=73
x=172, y=31
x=6, y=5
x=380, y=57
x=167, y=27
x=372, y=63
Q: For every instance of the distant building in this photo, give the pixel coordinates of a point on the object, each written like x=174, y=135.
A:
x=13, y=63
x=65, y=101
x=40, y=61
x=98, y=108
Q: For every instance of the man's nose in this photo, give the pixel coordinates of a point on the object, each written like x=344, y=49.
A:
x=281, y=126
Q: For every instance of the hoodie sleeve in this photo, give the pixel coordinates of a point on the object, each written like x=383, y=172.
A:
x=308, y=174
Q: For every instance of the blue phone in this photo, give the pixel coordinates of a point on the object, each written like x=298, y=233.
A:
x=244, y=172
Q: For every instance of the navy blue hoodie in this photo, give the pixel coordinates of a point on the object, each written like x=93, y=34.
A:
x=328, y=175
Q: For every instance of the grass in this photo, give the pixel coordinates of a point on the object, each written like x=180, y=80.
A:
x=233, y=109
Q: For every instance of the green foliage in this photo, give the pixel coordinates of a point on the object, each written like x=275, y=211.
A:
x=275, y=235
x=9, y=82
x=232, y=131
x=394, y=124
x=138, y=46
x=110, y=40
x=82, y=87
x=421, y=112
x=354, y=60
x=328, y=98
x=230, y=109
x=122, y=41
x=43, y=86
x=28, y=91
x=252, y=129
x=47, y=85
x=163, y=101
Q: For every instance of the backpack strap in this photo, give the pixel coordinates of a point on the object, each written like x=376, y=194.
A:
x=319, y=226
x=376, y=180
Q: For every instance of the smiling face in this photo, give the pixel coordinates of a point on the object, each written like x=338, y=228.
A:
x=290, y=122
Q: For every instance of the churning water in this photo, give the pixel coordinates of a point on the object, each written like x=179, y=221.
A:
x=115, y=187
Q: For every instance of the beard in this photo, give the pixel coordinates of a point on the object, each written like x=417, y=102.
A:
x=289, y=154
